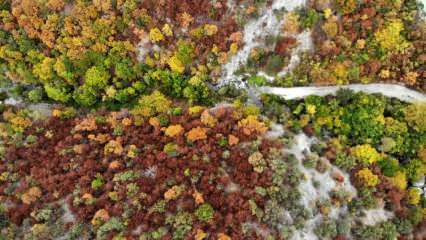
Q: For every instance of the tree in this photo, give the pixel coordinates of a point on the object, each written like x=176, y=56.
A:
x=155, y=35
x=84, y=97
x=174, y=130
x=58, y=94
x=367, y=178
x=346, y=6
x=151, y=105
x=415, y=115
x=205, y=212
x=198, y=133
x=390, y=38
x=175, y=64
x=366, y=154
x=44, y=70
x=96, y=79
x=124, y=70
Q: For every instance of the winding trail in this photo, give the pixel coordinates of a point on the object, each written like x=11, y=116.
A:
x=388, y=90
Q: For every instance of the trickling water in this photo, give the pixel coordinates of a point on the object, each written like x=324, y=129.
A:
x=374, y=216
x=269, y=24
x=310, y=193
x=305, y=43
x=254, y=35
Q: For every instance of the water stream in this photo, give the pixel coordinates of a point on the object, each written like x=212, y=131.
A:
x=254, y=36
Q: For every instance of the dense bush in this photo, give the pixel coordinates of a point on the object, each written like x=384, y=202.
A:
x=361, y=42
x=162, y=167
x=377, y=140
x=87, y=52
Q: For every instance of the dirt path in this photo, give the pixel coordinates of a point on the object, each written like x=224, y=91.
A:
x=388, y=90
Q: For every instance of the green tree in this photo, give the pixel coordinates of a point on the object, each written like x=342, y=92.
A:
x=59, y=94
x=96, y=79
